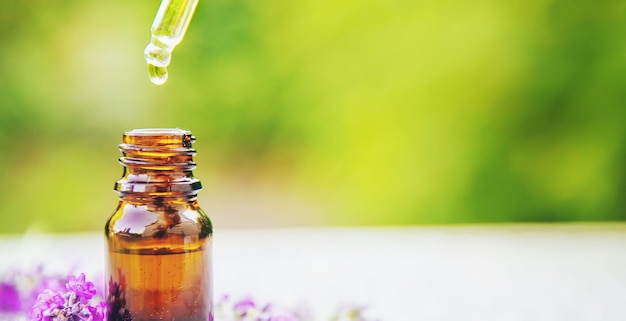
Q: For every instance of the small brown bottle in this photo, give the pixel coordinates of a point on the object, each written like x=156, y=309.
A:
x=158, y=239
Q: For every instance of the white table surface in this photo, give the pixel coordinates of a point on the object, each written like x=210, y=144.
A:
x=498, y=272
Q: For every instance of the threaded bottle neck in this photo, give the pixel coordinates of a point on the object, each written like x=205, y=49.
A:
x=157, y=162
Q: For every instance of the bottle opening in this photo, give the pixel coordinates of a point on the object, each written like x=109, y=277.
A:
x=157, y=131
x=158, y=137
x=157, y=161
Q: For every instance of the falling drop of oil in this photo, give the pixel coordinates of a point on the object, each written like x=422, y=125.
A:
x=158, y=75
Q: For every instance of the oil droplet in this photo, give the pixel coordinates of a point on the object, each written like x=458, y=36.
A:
x=158, y=75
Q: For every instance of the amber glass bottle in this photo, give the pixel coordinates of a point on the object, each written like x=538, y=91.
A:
x=158, y=239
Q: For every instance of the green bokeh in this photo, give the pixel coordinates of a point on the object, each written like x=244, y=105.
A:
x=323, y=112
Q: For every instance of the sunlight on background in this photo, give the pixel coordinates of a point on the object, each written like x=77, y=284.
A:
x=322, y=112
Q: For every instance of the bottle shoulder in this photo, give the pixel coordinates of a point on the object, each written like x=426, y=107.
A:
x=158, y=220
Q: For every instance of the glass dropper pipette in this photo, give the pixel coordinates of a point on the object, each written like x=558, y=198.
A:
x=168, y=30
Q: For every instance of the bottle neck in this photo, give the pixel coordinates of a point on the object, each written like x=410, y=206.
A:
x=158, y=163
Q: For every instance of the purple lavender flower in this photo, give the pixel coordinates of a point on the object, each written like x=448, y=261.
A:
x=99, y=312
x=48, y=304
x=84, y=290
x=243, y=306
x=72, y=305
x=247, y=309
x=9, y=298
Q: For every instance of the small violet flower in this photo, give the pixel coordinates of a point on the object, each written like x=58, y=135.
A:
x=244, y=306
x=84, y=290
x=247, y=309
x=71, y=305
x=47, y=304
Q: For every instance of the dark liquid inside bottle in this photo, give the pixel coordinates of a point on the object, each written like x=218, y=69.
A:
x=162, y=286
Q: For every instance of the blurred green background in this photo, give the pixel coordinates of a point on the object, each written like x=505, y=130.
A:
x=369, y=112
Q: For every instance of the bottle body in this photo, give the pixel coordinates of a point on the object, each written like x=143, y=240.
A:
x=158, y=239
